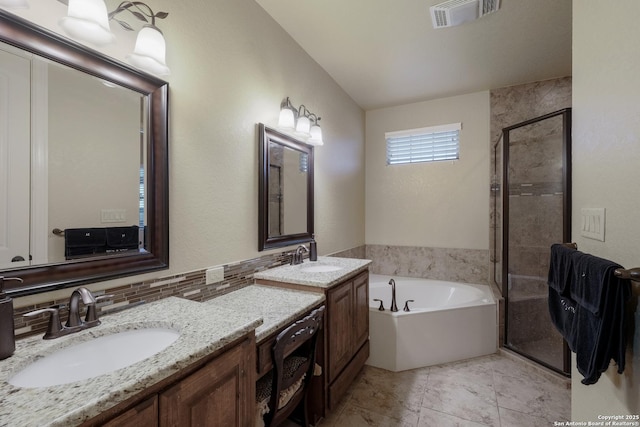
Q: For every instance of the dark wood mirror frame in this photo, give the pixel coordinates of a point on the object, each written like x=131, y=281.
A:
x=265, y=136
x=47, y=277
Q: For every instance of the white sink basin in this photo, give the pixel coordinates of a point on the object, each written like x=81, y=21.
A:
x=322, y=268
x=95, y=357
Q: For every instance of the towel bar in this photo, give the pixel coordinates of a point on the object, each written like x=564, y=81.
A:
x=630, y=274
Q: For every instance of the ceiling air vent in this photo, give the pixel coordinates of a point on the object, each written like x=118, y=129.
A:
x=456, y=12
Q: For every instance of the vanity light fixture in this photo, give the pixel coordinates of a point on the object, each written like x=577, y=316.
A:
x=303, y=121
x=88, y=21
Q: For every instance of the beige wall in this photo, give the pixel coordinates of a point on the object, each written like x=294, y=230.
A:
x=439, y=205
x=231, y=67
x=606, y=147
x=94, y=133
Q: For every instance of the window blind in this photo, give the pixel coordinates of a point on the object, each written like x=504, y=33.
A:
x=430, y=144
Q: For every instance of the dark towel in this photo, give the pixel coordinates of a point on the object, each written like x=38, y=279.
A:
x=562, y=311
x=587, y=306
x=562, y=308
x=600, y=327
x=560, y=268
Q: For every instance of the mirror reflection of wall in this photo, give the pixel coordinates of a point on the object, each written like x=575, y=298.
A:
x=88, y=141
x=294, y=183
x=288, y=185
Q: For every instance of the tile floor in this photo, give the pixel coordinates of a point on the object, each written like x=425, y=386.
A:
x=496, y=390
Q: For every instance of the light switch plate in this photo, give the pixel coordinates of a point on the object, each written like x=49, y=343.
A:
x=593, y=223
x=113, y=215
x=214, y=275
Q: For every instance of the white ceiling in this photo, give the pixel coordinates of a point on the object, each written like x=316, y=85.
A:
x=386, y=52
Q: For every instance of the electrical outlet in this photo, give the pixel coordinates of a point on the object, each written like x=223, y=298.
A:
x=214, y=275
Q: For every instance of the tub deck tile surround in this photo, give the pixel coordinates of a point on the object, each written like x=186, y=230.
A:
x=203, y=330
x=295, y=274
x=452, y=264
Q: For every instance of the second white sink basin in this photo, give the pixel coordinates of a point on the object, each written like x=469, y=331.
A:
x=95, y=357
x=321, y=268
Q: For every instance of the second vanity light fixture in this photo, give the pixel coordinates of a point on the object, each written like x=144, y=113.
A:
x=88, y=21
x=300, y=120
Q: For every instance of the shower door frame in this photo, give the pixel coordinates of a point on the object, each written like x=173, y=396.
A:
x=566, y=220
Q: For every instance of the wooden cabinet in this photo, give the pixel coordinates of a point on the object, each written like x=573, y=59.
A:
x=347, y=334
x=345, y=337
x=144, y=414
x=218, y=392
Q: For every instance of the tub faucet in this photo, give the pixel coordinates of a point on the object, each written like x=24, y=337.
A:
x=394, y=307
x=297, y=255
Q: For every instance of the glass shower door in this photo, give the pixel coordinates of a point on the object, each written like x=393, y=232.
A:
x=536, y=213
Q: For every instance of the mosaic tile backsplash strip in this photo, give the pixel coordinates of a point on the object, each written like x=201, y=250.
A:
x=188, y=285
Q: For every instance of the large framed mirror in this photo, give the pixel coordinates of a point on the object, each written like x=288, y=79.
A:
x=85, y=144
x=285, y=190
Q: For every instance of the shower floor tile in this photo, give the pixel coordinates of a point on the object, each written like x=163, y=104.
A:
x=492, y=390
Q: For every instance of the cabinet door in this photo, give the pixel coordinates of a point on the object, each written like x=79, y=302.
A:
x=340, y=324
x=222, y=393
x=361, y=311
x=144, y=414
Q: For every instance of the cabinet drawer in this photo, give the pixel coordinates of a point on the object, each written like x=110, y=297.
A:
x=144, y=414
x=263, y=359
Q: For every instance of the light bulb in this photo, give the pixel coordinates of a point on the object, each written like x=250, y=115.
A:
x=315, y=137
x=303, y=125
x=286, y=120
x=87, y=20
x=149, y=52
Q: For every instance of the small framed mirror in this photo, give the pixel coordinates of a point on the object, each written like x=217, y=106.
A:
x=285, y=190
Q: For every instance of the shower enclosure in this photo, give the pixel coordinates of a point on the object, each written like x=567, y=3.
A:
x=532, y=196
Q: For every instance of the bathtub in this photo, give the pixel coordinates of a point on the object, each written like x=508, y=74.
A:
x=448, y=321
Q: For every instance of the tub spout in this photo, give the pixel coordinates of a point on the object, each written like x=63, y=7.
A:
x=394, y=307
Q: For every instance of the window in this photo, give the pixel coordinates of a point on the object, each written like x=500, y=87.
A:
x=430, y=144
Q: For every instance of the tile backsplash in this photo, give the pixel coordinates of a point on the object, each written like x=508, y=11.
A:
x=189, y=285
x=448, y=264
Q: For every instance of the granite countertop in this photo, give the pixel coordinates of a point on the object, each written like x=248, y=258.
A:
x=204, y=328
x=300, y=274
x=276, y=306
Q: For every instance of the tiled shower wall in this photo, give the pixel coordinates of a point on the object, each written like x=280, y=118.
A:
x=509, y=106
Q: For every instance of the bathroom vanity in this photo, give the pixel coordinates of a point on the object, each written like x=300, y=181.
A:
x=214, y=344
x=345, y=284
x=209, y=372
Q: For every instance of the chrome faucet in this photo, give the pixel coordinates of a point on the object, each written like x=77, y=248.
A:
x=394, y=307
x=74, y=324
x=74, y=307
x=297, y=255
